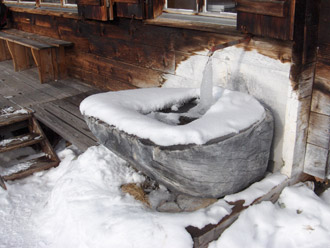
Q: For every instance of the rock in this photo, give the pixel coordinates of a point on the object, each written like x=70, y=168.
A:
x=189, y=204
x=169, y=207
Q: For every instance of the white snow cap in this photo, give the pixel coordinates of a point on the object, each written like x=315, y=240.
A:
x=129, y=111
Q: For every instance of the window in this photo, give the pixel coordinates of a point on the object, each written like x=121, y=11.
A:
x=55, y=3
x=201, y=7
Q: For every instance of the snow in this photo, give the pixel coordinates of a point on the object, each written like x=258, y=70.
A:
x=257, y=189
x=300, y=219
x=80, y=204
x=127, y=110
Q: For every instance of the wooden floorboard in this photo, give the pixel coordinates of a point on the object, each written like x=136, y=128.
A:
x=56, y=104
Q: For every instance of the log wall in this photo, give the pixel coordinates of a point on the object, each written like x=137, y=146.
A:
x=128, y=53
x=317, y=162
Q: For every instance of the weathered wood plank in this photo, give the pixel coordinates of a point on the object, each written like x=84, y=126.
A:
x=93, y=12
x=319, y=130
x=133, y=53
x=39, y=164
x=66, y=116
x=129, y=10
x=65, y=130
x=263, y=7
x=19, y=141
x=135, y=75
x=316, y=161
x=44, y=62
x=264, y=25
x=321, y=97
x=77, y=99
x=89, y=2
x=45, y=39
x=10, y=119
x=4, y=52
x=20, y=90
x=24, y=41
x=57, y=13
x=102, y=82
x=21, y=56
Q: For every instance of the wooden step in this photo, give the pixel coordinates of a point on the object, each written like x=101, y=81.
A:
x=31, y=166
x=10, y=119
x=20, y=141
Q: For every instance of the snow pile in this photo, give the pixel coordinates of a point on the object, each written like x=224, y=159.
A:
x=300, y=219
x=80, y=204
x=127, y=110
x=257, y=189
x=85, y=207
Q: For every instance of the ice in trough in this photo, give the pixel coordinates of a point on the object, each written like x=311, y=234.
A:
x=221, y=152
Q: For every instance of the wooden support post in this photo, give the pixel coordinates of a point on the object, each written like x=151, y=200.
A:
x=60, y=63
x=21, y=56
x=44, y=62
x=4, y=52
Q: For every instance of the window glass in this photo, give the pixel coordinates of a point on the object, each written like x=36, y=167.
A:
x=29, y=1
x=71, y=1
x=182, y=4
x=220, y=6
x=51, y=1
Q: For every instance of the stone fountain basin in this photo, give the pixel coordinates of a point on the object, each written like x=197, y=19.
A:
x=211, y=166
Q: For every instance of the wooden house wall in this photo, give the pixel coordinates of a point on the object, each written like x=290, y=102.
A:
x=127, y=53
x=317, y=160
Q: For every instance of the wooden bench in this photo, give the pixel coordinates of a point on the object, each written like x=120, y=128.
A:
x=27, y=50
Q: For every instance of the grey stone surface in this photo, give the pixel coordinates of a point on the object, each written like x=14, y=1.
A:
x=223, y=166
x=189, y=203
x=169, y=207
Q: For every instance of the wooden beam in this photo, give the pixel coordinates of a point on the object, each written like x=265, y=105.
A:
x=44, y=61
x=263, y=7
x=21, y=56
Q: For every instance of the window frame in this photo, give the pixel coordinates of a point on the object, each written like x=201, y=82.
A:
x=39, y=3
x=203, y=11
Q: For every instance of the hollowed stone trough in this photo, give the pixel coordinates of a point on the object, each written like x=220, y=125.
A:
x=228, y=156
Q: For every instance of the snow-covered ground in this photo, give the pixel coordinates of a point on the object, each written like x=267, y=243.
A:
x=80, y=204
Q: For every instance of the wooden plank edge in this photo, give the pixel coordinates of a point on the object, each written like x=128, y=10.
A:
x=10, y=119
x=17, y=143
x=202, y=237
x=35, y=167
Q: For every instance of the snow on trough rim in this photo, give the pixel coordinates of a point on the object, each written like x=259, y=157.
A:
x=231, y=112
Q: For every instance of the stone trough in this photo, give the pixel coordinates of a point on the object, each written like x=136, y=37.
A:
x=201, y=158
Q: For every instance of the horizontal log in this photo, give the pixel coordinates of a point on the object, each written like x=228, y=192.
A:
x=99, y=13
x=319, y=130
x=134, y=75
x=262, y=7
x=321, y=96
x=265, y=26
x=137, y=54
x=89, y=2
x=57, y=13
x=316, y=161
x=130, y=10
x=102, y=82
x=126, y=1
